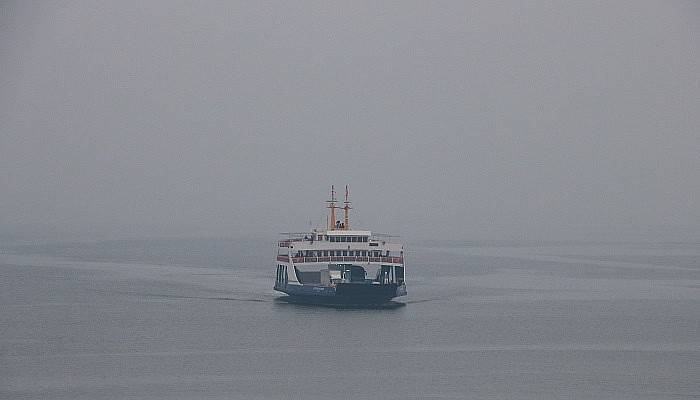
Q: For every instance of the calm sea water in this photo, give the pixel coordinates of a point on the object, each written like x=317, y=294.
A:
x=167, y=319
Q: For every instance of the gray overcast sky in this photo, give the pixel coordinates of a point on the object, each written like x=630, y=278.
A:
x=466, y=120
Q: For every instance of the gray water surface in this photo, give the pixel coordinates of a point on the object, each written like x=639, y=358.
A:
x=197, y=318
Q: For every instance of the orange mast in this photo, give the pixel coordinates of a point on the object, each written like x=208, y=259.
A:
x=332, y=206
x=347, y=209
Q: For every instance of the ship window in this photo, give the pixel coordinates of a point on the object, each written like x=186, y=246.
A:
x=354, y=239
x=345, y=252
x=374, y=244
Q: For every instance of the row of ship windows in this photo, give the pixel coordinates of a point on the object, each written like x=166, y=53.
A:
x=343, y=253
x=343, y=238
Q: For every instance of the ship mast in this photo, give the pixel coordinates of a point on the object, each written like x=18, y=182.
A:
x=347, y=210
x=332, y=206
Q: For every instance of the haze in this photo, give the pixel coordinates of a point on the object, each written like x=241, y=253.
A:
x=454, y=120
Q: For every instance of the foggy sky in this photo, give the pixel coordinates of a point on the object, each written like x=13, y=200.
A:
x=463, y=120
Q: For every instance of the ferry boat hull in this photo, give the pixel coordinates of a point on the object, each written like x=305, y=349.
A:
x=343, y=293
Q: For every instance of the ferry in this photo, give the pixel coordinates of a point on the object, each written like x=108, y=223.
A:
x=340, y=265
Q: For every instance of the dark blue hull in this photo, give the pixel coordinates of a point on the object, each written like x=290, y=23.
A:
x=343, y=293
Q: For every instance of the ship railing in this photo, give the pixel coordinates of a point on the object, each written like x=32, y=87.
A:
x=288, y=242
x=299, y=260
